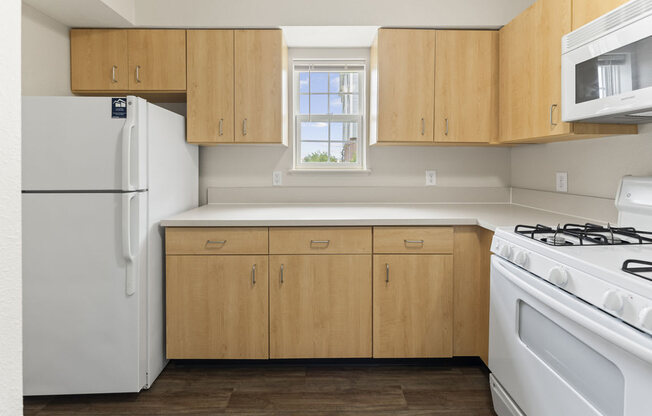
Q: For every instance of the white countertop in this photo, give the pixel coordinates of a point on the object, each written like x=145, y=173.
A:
x=488, y=216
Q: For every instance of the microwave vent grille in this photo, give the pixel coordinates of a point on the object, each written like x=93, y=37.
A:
x=631, y=11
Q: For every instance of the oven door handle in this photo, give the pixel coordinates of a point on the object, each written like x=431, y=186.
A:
x=627, y=344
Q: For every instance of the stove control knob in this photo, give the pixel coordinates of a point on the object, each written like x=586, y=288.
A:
x=613, y=302
x=645, y=318
x=522, y=259
x=558, y=276
x=506, y=252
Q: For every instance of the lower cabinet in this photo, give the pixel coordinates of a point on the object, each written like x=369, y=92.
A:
x=320, y=306
x=217, y=307
x=413, y=305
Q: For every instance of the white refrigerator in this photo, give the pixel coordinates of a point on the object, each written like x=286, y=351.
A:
x=95, y=187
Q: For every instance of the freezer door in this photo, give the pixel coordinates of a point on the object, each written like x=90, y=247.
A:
x=73, y=143
x=83, y=302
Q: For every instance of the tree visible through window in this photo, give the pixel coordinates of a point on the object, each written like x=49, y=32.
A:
x=328, y=112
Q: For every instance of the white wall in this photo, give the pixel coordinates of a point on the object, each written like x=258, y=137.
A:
x=46, y=54
x=11, y=385
x=594, y=166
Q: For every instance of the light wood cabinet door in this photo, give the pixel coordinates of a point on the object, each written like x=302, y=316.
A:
x=260, y=86
x=217, y=307
x=405, y=70
x=210, y=86
x=413, y=306
x=585, y=11
x=98, y=60
x=466, y=86
x=552, y=21
x=320, y=306
x=471, y=268
x=157, y=59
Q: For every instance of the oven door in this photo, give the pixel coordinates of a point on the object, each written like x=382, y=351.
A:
x=610, y=77
x=553, y=354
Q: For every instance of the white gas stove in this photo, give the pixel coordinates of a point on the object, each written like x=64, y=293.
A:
x=571, y=307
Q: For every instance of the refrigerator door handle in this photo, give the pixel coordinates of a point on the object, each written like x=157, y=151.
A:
x=126, y=243
x=126, y=155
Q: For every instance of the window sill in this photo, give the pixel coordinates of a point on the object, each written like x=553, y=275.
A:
x=320, y=171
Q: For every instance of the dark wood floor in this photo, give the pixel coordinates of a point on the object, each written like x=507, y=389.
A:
x=434, y=387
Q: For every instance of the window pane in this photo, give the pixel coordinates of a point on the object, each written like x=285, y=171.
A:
x=303, y=82
x=344, y=82
x=303, y=104
x=344, y=103
x=319, y=104
x=318, y=82
x=345, y=152
x=312, y=152
x=314, y=131
x=344, y=131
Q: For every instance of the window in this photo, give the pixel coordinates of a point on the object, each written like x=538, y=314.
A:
x=329, y=114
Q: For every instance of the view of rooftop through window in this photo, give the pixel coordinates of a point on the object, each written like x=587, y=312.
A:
x=329, y=114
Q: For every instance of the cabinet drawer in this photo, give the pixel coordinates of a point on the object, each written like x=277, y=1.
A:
x=432, y=240
x=320, y=240
x=216, y=241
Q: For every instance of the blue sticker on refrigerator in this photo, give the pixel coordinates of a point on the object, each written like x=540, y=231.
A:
x=118, y=108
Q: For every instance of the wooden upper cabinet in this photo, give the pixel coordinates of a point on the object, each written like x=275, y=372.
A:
x=320, y=306
x=260, y=86
x=98, y=60
x=530, y=78
x=403, y=69
x=210, y=86
x=217, y=307
x=466, y=86
x=157, y=60
x=413, y=306
x=585, y=11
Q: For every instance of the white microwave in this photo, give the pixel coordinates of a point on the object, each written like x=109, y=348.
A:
x=606, y=67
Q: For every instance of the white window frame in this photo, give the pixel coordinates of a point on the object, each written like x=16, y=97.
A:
x=298, y=118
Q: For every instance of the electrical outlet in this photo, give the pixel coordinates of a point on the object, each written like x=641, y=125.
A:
x=277, y=178
x=431, y=177
x=562, y=181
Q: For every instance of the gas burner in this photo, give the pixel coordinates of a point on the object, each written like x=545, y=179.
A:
x=585, y=235
x=638, y=267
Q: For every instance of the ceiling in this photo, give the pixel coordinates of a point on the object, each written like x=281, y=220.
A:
x=332, y=23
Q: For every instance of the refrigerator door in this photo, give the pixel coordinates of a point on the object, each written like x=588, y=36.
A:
x=84, y=305
x=74, y=144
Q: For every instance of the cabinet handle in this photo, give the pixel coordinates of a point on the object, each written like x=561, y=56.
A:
x=244, y=127
x=446, y=131
x=327, y=242
x=413, y=242
x=282, y=273
x=138, y=73
x=423, y=126
x=221, y=242
x=221, y=124
x=113, y=78
x=552, y=108
x=253, y=274
x=386, y=272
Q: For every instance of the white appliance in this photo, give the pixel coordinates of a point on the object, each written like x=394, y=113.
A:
x=94, y=190
x=571, y=315
x=606, y=67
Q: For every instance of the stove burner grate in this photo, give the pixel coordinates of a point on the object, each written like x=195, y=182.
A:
x=641, y=267
x=587, y=234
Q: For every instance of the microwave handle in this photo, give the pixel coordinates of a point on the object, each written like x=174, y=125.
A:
x=629, y=345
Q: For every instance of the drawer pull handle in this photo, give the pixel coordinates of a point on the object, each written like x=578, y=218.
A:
x=221, y=130
x=253, y=274
x=413, y=242
x=282, y=267
x=138, y=74
x=386, y=272
x=326, y=242
x=113, y=78
x=220, y=242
